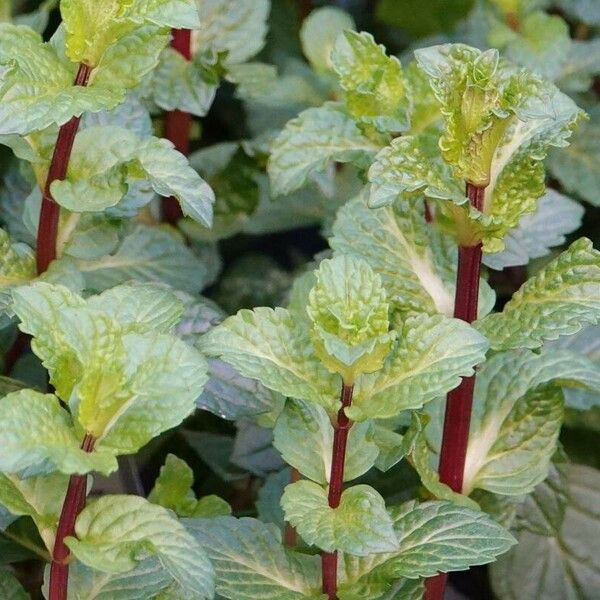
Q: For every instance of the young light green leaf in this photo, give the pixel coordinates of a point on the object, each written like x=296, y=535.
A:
x=412, y=164
x=37, y=437
x=350, y=318
x=560, y=300
x=304, y=436
x=235, y=27
x=568, y=545
x=313, y=140
x=269, y=345
x=478, y=95
x=251, y=563
x=428, y=360
x=114, y=533
x=173, y=490
x=146, y=254
x=36, y=87
x=375, y=89
x=17, y=262
x=534, y=236
x=360, y=525
x=10, y=588
x=319, y=32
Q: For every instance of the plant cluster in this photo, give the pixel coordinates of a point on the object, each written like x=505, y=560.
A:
x=395, y=420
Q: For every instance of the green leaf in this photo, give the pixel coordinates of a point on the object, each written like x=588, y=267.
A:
x=144, y=581
x=428, y=360
x=580, y=67
x=375, y=89
x=182, y=84
x=516, y=418
x=319, y=32
x=173, y=490
x=310, y=142
x=269, y=345
x=146, y=254
x=36, y=87
x=559, y=560
x=583, y=10
x=236, y=27
x=360, y=524
x=37, y=437
x=417, y=264
x=432, y=537
x=560, y=300
x=40, y=498
x=10, y=588
x=17, y=262
x=114, y=533
x=541, y=44
x=93, y=30
x=577, y=167
x=251, y=563
x=535, y=235
x=304, y=436
x=479, y=96
x=412, y=164
x=140, y=307
x=107, y=159
x=350, y=318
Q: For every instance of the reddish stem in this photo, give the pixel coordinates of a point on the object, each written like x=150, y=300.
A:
x=178, y=125
x=305, y=8
x=50, y=211
x=73, y=504
x=459, y=401
x=336, y=486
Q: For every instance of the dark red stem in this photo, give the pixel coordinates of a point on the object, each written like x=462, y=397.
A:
x=178, y=125
x=73, y=504
x=336, y=486
x=459, y=401
x=50, y=211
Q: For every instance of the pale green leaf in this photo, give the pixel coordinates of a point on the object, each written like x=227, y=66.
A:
x=37, y=437
x=350, y=317
x=236, y=27
x=319, y=32
x=578, y=166
x=251, y=562
x=561, y=562
x=587, y=11
x=417, y=264
x=140, y=307
x=580, y=66
x=10, y=588
x=561, y=299
x=304, y=436
x=430, y=357
x=17, y=262
x=182, y=84
x=313, y=140
x=40, y=498
x=412, y=164
x=360, y=524
x=146, y=254
x=114, y=533
x=535, y=235
x=269, y=345
x=376, y=92
x=173, y=490
x=144, y=581
x=37, y=89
